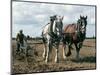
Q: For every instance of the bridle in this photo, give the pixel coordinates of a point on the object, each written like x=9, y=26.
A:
x=80, y=25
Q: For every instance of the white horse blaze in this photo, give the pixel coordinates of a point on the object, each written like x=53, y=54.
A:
x=54, y=26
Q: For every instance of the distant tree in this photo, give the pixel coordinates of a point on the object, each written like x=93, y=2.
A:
x=13, y=38
x=94, y=37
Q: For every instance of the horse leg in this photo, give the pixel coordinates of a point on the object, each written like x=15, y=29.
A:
x=56, y=57
x=77, y=50
x=69, y=50
x=48, y=48
x=64, y=52
x=80, y=44
x=44, y=52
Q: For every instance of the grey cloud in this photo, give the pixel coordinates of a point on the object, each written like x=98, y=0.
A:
x=37, y=14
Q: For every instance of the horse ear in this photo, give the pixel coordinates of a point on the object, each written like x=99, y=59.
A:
x=86, y=17
x=80, y=16
x=62, y=17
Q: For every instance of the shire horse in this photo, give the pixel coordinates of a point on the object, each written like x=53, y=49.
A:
x=74, y=34
x=52, y=38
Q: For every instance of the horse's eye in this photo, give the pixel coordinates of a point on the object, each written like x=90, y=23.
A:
x=80, y=22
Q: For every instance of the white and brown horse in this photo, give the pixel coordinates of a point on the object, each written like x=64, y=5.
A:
x=74, y=33
x=52, y=39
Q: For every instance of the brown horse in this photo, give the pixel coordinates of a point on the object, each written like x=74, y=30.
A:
x=74, y=34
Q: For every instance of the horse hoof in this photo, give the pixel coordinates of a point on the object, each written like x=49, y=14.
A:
x=46, y=61
x=64, y=57
x=43, y=57
x=56, y=61
x=68, y=54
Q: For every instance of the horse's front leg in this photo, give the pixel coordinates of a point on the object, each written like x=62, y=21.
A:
x=64, y=51
x=57, y=51
x=69, y=50
x=48, y=50
x=77, y=50
x=44, y=52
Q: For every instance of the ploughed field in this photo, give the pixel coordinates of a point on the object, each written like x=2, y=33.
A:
x=34, y=61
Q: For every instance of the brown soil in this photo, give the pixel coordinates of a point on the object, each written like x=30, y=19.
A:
x=34, y=62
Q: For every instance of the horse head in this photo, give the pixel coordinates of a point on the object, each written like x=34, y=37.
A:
x=58, y=25
x=82, y=23
x=52, y=18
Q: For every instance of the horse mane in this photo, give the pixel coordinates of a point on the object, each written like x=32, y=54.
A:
x=45, y=25
x=70, y=26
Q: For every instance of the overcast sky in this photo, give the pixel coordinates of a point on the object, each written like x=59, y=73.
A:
x=31, y=17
